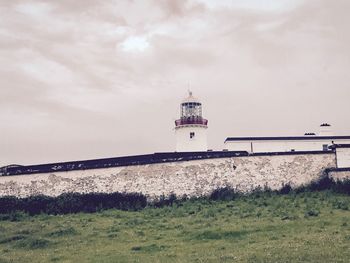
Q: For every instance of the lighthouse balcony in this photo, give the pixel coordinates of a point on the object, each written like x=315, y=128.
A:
x=191, y=121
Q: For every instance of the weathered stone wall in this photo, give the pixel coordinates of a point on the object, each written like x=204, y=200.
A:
x=340, y=175
x=191, y=178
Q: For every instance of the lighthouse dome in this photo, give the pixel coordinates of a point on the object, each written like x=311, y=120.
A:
x=190, y=99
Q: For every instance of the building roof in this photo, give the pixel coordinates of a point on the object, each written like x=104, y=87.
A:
x=288, y=138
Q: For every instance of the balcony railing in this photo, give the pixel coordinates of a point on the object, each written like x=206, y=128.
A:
x=191, y=120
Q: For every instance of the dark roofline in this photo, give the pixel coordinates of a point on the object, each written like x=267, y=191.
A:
x=334, y=146
x=288, y=138
x=120, y=161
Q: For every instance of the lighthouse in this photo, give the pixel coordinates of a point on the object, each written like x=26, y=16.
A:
x=191, y=128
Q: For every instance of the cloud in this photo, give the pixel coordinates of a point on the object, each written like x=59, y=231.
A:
x=135, y=43
x=254, y=5
x=86, y=79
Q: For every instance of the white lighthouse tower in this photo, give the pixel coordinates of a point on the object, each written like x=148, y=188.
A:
x=191, y=128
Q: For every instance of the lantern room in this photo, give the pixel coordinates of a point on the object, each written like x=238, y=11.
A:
x=191, y=112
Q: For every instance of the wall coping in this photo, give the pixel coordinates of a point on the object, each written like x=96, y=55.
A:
x=288, y=138
x=336, y=146
x=291, y=153
x=162, y=157
x=345, y=169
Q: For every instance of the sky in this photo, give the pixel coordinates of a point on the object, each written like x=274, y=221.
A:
x=91, y=79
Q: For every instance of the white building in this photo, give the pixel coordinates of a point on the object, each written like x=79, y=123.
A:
x=308, y=142
x=343, y=155
x=191, y=128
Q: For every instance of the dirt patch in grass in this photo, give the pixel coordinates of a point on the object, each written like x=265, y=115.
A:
x=70, y=231
x=33, y=243
x=149, y=248
x=12, y=239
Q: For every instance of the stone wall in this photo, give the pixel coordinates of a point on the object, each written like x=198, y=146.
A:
x=191, y=178
x=340, y=174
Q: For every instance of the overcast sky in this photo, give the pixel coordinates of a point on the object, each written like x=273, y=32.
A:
x=90, y=79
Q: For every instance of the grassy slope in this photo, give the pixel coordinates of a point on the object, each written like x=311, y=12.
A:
x=308, y=227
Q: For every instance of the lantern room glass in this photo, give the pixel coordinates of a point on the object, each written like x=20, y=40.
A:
x=191, y=109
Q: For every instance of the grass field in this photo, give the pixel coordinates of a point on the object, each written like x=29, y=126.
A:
x=304, y=227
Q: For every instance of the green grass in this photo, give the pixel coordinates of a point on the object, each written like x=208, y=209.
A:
x=304, y=227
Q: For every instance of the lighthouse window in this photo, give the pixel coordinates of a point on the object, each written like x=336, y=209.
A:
x=191, y=135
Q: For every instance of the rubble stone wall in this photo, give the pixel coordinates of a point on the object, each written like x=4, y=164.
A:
x=340, y=175
x=191, y=178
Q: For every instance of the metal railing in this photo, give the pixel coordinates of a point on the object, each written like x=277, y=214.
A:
x=191, y=120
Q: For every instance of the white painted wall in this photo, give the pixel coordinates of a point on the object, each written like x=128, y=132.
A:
x=281, y=146
x=186, y=144
x=238, y=146
x=343, y=157
x=326, y=131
